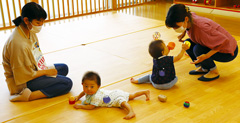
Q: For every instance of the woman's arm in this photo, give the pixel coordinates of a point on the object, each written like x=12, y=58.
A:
x=87, y=107
x=204, y=56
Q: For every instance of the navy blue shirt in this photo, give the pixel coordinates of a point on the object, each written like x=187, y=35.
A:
x=163, y=70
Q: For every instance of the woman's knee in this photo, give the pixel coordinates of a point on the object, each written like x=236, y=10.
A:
x=69, y=84
x=199, y=50
x=65, y=82
x=62, y=69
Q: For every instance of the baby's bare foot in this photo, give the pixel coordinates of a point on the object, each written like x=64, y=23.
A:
x=133, y=81
x=130, y=115
x=147, y=95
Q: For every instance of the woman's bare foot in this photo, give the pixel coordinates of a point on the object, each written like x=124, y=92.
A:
x=21, y=97
x=129, y=115
x=147, y=95
x=200, y=70
x=133, y=81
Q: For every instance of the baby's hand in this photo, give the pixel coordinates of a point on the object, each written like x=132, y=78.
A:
x=76, y=98
x=78, y=106
x=185, y=46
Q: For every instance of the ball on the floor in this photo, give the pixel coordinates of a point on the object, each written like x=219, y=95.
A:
x=162, y=98
x=186, y=104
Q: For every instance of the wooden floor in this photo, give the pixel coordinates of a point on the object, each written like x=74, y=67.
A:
x=114, y=44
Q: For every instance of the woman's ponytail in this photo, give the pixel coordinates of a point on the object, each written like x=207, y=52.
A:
x=17, y=21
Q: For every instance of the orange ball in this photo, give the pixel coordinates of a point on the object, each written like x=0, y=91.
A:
x=171, y=45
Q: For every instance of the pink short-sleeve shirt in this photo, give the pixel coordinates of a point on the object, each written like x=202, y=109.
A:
x=208, y=33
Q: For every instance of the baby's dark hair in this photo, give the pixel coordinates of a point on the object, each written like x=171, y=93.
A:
x=155, y=48
x=177, y=13
x=32, y=11
x=90, y=75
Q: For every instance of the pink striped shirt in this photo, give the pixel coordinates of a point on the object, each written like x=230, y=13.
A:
x=208, y=33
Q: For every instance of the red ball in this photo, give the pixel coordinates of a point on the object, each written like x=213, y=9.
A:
x=171, y=45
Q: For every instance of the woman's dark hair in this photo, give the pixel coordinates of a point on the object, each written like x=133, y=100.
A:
x=32, y=11
x=155, y=48
x=92, y=76
x=177, y=13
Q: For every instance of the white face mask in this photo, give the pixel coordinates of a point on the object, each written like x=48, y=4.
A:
x=180, y=29
x=36, y=29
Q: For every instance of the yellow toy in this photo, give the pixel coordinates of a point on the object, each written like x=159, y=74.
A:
x=187, y=43
x=72, y=100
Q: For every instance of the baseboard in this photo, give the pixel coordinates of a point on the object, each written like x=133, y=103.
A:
x=215, y=11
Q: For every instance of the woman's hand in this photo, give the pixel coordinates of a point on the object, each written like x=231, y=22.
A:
x=47, y=72
x=180, y=37
x=51, y=72
x=200, y=59
x=204, y=56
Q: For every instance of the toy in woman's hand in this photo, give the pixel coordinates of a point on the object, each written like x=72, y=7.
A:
x=156, y=36
x=72, y=100
x=187, y=43
x=106, y=99
x=171, y=45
